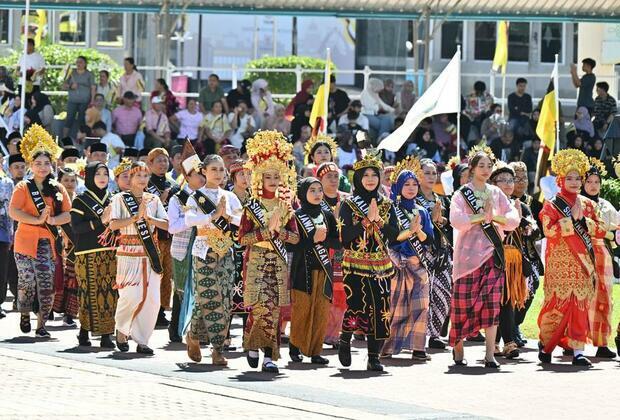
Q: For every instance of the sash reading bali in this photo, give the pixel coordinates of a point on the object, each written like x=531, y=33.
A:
x=143, y=232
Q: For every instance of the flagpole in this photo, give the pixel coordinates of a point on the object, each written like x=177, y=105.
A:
x=458, y=114
x=504, y=92
x=326, y=84
x=556, y=85
x=24, y=70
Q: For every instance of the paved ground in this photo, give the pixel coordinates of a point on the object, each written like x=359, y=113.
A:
x=56, y=379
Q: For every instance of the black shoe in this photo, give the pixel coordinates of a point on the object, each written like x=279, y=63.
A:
x=142, y=349
x=436, y=343
x=618, y=342
x=67, y=321
x=161, y=319
x=344, y=353
x=373, y=364
x=605, y=353
x=581, y=360
x=359, y=337
x=83, y=338
x=50, y=317
x=462, y=362
x=477, y=338
x=2, y=314
x=42, y=333
x=519, y=339
x=123, y=347
x=420, y=356
x=491, y=364
x=24, y=323
x=252, y=361
x=335, y=346
x=568, y=352
x=519, y=342
x=318, y=360
x=106, y=342
x=270, y=367
x=176, y=339
x=294, y=354
x=542, y=356
x=228, y=347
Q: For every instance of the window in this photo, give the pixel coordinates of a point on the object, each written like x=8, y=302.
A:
x=519, y=41
x=110, y=29
x=575, y=42
x=451, y=37
x=72, y=28
x=484, y=47
x=550, y=42
x=4, y=27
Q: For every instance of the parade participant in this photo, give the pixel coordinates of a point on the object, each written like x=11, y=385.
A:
x=569, y=222
x=320, y=149
x=230, y=154
x=122, y=175
x=97, y=152
x=182, y=240
x=6, y=233
x=69, y=155
x=138, y=264
x=329, y=175
x=601, y=305
x=480, y=214
x=131, y=153
x=266, y=225
x=95, y=257
x=311, y=273
x=212, y=211
x=437, y=207
x=411, y=255
x=367, y=222
x=160, y=185
x=143, y=155
x=17, y=167
x=39, y=208
x=65, y=283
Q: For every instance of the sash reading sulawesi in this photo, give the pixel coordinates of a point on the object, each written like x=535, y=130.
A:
x=207, y=206
x=579, y=225
x=256, y=211
x=489, y=229
x=322, y=253
x=143, y=232
x=415, y=242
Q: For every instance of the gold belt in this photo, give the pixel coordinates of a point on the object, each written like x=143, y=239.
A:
x=264, y=244
x=220, y=242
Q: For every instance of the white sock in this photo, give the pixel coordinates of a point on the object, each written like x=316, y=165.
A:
x=253, y=354
x=578, y=353
x=267, y=360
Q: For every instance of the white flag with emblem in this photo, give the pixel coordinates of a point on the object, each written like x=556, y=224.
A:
x=442, y=97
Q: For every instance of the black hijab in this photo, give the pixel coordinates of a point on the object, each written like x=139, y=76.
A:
x=359, y=189
x=312, y=210
x=456, y=175
x=592, y=171
x=89, y=179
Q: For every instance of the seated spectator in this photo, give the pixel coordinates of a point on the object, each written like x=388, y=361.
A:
x=478, y=106
x=126, y=119
x=445, y=134
x=519, y=109
x=605, y=108
x=242, y=125
x=347, y=148
x=156, y=127
x=187, y=121
x=354, y=117
x=96, y=152
x=40, y=112
x=428, y=147
x=387, y=94
x=131, y=81
x=406, y=97
x=494, y=125
x=305, y=132
x=574, y=140
x=211, y=93
x=506, y=148
x=307, y=86
x=380, y=115
x=597, y=148
x=105, y=114
x=12, y=114
x=84, y=136
x=338, y=101
x=229, y=154
x=106, y=88
x=262, y=102
x=278, y=121
x=171, y=104
x=583, y=123
x=240, y=93
x=91, y=116
x=9, y=87
x=302, y=118
x=214, y=130
x=114, y=144
x=533, y=122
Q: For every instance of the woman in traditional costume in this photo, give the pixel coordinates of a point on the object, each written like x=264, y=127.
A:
x=480, y=215
x=40, y=208
x=266, y=225
x=329, y=175
x=213, y=211
x=570, y=223
x=321, y=149
x=138, y=270
x=95, y=257
x=411, y=254
x=311, y=273
x=367, y=222
x=601, y=305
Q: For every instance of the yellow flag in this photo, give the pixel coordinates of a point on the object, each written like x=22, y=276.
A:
x=501, y=47
x=318, y=116
x=546, y=129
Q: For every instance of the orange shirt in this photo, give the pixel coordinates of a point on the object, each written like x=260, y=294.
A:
x=27, y=236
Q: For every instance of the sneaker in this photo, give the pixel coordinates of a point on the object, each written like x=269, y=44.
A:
x=42, y=333
x=581, y=360
x=67, y=321
x=605, y=353
x=373, y=364
x=270, y=367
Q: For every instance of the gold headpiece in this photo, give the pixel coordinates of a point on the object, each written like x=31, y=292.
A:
x=453, y=162
x=270, y=150
x=481, y=147
x=372, y=159
x=568, y=160
x=320, y=138
x=79, y=167
x=37, y=139
x=124, y=166
x=597, y=167
x=499, y=166
x=410, y=163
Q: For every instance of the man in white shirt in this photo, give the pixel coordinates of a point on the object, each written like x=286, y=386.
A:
x=113, y=142
x=188, y=121
x=35, y=63
x=242, y=123
x=354, y=115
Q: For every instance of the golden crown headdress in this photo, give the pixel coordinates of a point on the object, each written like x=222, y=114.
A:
x=124, y=166
x=270, y=150
x=36, y=140
x=453, y=162
x=568, y=160
x=320, y=138
x=597, y=167
x=481, y=147
x=372, y=159
x=410, y=163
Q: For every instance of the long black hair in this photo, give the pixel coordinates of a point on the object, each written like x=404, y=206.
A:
x=48, y=189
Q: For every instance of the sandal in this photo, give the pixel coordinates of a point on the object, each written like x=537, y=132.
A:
x=24, y=323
